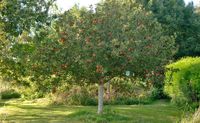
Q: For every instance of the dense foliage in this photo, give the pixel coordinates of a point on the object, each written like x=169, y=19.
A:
x=23, y=15
x=10, y=94
x=179, y=19
x=195, y=118
x=122, y=91
x=94, y=46
x=98, y=38
x=42, y=51
x=20, y=21
x=81, y=46
x=182, y=81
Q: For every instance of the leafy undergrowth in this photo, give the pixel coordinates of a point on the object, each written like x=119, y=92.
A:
x=39, y=112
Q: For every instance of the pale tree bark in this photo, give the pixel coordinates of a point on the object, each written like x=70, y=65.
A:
x=108, y=91
x=100, y=98
x=1, y=88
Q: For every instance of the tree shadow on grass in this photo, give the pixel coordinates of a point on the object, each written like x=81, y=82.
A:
x=3, y=103
x=35, y=114
x=62, y=114
x=92, y=117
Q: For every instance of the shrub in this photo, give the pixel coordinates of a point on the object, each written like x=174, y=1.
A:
x=9, y=94
x=157, y=93
x=182, y=80
x=75, y=96
x=122, y=91
x=193, y=119
x=82, y=98
x=130, y=101
x=196, y=117
x=30, y=93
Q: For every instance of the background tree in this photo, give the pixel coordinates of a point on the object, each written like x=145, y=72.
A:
x=20, y=21
x=179, y=19
x=22, y=15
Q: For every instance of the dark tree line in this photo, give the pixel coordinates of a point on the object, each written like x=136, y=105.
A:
x=180, y=20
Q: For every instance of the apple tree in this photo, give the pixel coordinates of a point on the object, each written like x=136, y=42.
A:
x=116, y=38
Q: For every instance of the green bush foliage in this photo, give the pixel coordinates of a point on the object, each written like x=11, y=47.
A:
x=130, y=101
x=182, y=80
x=195, y=118
x=122, y=92
x=75, y=95
x=157, y=93
x=9, y=94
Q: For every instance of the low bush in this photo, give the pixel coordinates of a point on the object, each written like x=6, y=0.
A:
x=76, y=95
x=129, y=101
x=9, y=94
x=119, y=91
x=30, y=93
x=182, y=81
x=195, y=118
x=81, y=98
x=157, y=93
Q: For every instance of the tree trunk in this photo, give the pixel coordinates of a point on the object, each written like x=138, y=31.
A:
x=108, y=91
x=100, y=98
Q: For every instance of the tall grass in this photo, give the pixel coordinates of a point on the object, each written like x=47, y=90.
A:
x=195, y=118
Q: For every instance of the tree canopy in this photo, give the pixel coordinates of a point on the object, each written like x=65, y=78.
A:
x=117, y=38
x=22, y=15
x=180, y=20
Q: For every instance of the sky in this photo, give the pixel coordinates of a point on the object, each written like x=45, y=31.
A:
x=67, y=4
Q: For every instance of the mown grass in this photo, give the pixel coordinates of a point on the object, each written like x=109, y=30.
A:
x=32, y=112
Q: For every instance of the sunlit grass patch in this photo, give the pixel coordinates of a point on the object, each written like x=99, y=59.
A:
x=23, y=112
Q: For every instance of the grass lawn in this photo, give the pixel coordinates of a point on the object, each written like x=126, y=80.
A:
x=39, y=112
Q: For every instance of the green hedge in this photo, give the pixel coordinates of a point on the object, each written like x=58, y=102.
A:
x=9, y=94
x=182, y=80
